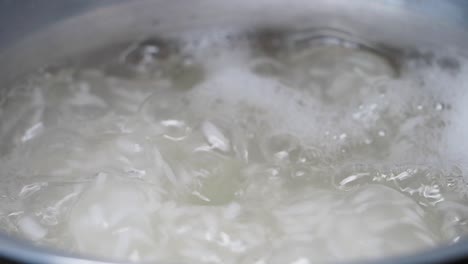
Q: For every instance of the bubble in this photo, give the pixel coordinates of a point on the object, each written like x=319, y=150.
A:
x=281, y=148
x=175, y=129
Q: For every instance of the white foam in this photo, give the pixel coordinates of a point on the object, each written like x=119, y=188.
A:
x=244, y=166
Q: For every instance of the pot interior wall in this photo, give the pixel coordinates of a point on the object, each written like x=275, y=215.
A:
x=398, y=25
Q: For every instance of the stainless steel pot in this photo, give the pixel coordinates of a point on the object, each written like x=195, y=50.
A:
x=34, y=34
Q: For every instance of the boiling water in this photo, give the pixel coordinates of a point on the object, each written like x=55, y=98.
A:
x=244, y=150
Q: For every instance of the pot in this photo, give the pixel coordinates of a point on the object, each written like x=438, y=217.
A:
x=36, y=35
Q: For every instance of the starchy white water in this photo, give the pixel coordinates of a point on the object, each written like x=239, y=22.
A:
x=223, y=151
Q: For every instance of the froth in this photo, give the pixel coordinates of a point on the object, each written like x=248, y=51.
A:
x=218, y=151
